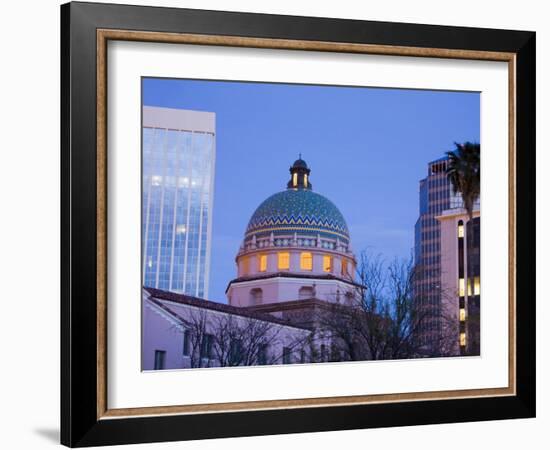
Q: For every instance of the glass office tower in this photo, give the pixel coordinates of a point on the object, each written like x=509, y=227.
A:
x=179, y=153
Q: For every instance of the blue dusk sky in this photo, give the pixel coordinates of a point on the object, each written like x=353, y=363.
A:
x=367, y=149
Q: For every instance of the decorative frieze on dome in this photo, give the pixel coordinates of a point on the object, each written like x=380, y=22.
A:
x=298, y=210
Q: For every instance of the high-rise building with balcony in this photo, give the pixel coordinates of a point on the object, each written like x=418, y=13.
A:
x=178, y=162
x=461, y=279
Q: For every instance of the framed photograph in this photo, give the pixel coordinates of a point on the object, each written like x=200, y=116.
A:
x=272, y=224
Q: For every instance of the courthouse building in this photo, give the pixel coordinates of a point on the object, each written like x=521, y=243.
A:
x=295, y=261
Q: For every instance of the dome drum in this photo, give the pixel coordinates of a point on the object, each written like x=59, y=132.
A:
x=320, y=242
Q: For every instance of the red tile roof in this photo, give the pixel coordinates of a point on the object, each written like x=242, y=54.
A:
x=184, y=299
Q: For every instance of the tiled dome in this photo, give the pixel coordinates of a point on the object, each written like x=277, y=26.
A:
x=299, y=211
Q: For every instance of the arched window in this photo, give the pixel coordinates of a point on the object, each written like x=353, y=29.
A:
x=305, y=292
x=345, y=269
x=327, y=263
x=262, y=260
x=256, y=296
x=284, y=261
x=245, y=265
x=306, y=261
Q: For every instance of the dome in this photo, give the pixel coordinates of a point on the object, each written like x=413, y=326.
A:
x=299, y=164
x=300, y=211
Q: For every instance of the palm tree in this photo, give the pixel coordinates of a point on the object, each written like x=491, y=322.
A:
x=463, y=171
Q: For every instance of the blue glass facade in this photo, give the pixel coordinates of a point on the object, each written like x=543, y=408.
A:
x=177, y=198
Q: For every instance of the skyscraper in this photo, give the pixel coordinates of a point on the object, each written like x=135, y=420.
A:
x=433, y=291
x=435, y=197
x=179, y=153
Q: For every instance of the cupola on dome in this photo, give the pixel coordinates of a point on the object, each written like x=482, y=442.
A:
x=298, y=211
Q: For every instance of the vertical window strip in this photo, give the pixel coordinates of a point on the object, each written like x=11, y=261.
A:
x=174, y=221
x=165, y=134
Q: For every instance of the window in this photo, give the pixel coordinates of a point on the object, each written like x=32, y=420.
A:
x=245, y=265
x=462, y=339
x=460, y=229
x=206, y=346
x=262, y=354
x=160, y=357
x=305, y=179
x=294, y=179
x=461, y=287
x=286, y=355
x=256, y=296
x=305, y=292
x=302, y=356
x=462, y=314
x=283, y=261
x=235, y=352
x=345, y=270
x=262, y=262
x=327, y=263
x=306, y=261
x=476, y=286
x=186, y=343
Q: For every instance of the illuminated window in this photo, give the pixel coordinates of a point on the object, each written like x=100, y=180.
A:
x=306, y=261
x=263, y=263
x=245, y=265
x=460, y=229
x=294, y=179
x=461, y=287
x=156, y=180
x=283, y=261
x=180, y=229
x=462, y=339
x=476, y=286
x=327, y=263
x=344, y=266
x=305, y=180
x=462, y=314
